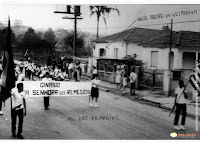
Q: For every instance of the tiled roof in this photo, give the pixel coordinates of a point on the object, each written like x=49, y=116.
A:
x=180, y=39
x=141, y=34
x=118, y=36
x=155, y=38
x=137, y=35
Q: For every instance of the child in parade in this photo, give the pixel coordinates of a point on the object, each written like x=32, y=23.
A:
x=95, y=90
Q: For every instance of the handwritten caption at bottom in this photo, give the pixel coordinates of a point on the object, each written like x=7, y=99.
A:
x=94, y=118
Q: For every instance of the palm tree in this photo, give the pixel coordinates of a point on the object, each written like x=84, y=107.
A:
x=101, y=11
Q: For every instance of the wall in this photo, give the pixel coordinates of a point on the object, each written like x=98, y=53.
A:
x=110, y=52
x=133, y=48
x=162, y=57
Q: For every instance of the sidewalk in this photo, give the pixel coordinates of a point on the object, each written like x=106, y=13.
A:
x=153, y=98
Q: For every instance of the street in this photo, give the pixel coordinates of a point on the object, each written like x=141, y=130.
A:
x=73, y=118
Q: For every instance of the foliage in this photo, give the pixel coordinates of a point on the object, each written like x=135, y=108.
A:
x=130, y=58
x=133, y=59
x=80, y=43
x=69, y=40
x=31, y=40
x=101, y=11
x=50, y=37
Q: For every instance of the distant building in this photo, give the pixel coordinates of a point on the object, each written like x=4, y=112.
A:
x=18, y=23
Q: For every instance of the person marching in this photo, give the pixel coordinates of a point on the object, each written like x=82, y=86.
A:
x=46, y=99
x=18, y=109
x=94, y=91
x=180, y=103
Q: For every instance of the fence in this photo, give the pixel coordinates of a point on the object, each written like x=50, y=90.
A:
x=151, y=79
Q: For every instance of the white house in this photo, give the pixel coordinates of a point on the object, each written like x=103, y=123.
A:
x=152, y=47
x=185, y=45
x=119, y=45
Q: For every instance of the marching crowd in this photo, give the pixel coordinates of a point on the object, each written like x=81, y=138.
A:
x=65, y=71
x=68, y=71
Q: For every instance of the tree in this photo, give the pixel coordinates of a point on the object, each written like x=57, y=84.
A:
x=31, y=41
x=101, y=11
x=133, y=59
x=49, y=37
x=80, y=42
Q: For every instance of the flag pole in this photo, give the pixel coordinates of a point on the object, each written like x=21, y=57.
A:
x=11, y=110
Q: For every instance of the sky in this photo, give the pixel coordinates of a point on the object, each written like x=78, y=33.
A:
x=41, y=16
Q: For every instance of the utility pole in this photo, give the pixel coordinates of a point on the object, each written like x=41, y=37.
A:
x=76, y=13
x=170, y=50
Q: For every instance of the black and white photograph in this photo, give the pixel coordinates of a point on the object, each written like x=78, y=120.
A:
x=99, y=71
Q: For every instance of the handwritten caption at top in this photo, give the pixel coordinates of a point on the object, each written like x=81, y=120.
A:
x=168, y=15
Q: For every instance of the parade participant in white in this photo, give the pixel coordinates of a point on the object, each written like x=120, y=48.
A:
x=180, y=106
x=95, y=91
x=46, y=99
x=18, y=109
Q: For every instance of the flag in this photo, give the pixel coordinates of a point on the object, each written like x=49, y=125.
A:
x=195, y=81
x=8, y=74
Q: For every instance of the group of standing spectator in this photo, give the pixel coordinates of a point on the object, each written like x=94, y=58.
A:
x=73, y=70
x=122, y=79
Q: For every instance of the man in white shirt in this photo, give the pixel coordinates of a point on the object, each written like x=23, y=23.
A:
x=133, y=77
x=180, y=102
x=46, y=99
x=18, y=109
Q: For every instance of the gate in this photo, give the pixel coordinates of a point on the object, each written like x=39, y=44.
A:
x=151, y=79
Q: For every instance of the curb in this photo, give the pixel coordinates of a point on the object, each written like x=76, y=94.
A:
x=148, y=102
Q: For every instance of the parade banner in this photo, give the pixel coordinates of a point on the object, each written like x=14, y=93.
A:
x=56, y=88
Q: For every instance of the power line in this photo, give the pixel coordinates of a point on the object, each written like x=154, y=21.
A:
x=169, y=23
x=120, y=34
x=147, y=24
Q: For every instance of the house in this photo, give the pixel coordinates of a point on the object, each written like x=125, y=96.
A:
x=152, y=47
x=185, y=45
x=119, y=45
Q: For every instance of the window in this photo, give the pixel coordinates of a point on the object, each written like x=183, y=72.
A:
x=154, y=58
x=102, y=52
x=115, y=53
x=177, y=75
